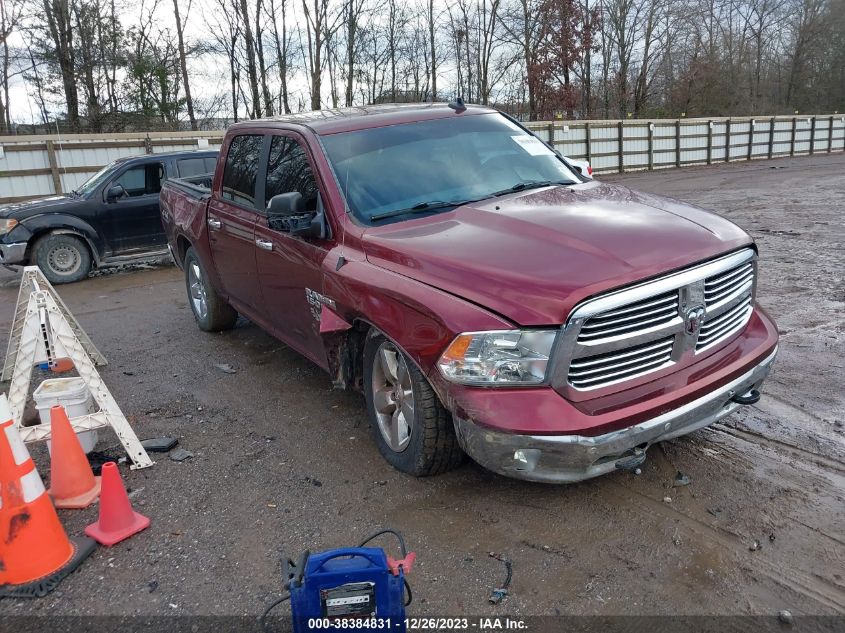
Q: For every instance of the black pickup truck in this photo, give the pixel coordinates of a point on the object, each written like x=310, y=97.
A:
x=114, y=216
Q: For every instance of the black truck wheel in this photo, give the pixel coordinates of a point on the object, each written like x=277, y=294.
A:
x=414, y=432
x=212, y=313
x=62, y=258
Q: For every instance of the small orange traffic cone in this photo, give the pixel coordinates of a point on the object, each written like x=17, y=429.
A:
x=72, y=484
x=35, y=552
x=118, y=521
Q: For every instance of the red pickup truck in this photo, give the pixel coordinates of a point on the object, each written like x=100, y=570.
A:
x=486, y=298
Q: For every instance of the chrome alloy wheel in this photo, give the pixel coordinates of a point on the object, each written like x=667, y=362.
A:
x=64, y=260
x=198, y=293
x=393, y=397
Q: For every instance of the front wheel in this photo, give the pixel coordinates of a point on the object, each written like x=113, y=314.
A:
x=212, y=313
x=414, y=432
x=62, y=258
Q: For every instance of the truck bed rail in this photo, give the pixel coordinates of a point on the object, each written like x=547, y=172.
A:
x=198, y=187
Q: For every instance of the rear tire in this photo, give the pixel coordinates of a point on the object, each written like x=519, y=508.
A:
x=62, y=258
x=413, y=431
x=212, y=313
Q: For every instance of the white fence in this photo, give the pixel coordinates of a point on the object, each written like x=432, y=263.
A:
x=32, y=166
x=616, y=146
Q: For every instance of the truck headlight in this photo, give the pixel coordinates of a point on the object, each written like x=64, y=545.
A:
x=501, y=357
x=7, y=225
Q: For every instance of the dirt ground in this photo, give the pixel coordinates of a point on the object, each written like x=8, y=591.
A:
x=283, y=463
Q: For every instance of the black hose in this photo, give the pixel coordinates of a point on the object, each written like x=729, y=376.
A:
x=263, y=619
x=509, y=567
x=387, y=531
x=408, y=589
x=401, y=540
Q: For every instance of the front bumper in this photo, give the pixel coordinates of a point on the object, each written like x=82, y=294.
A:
x=571, y=458
x=14, y=253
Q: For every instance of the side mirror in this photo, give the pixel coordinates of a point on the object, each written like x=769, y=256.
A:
x=286, y=205
x=115, y=192
x=286, y=212
x=579, y=169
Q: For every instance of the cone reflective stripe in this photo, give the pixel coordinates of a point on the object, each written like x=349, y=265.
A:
x=35, y=552
x=32, y=486
x=72, y=484
x=118, y=521
x=19, y=452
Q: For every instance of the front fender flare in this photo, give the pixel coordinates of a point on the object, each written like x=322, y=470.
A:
x=63, y=223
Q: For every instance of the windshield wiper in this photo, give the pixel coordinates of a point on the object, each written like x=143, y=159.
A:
x=439, y=204
x=418, y=208
x=529, y=184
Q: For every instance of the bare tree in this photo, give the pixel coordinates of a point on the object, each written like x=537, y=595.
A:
x=251, y=66
x=101, y=63
x=58, y=19
x=317, y=30
x=353, y=12
x=431, y=18
x=183, y=62
x=10, y=17
x=226, y=31
x=526, y=29
x=276, y=9
x=487, y=42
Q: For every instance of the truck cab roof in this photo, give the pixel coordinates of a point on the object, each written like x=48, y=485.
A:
x=333, y=121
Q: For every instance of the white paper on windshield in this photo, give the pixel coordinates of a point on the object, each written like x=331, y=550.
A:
x=532, y=145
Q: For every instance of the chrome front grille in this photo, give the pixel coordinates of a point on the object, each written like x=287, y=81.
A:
x=726, y=286
x=725, y=325
x=604, y=369
x=639, y=331
x=650, y=312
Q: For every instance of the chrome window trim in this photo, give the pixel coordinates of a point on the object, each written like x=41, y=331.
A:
x=689, y=283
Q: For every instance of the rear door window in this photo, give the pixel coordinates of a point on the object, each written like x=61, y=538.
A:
x=239, y=174
x=188, y=167
x=193, y=166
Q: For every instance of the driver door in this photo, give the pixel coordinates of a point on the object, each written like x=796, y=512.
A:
x=289, y=265
x=133, y=221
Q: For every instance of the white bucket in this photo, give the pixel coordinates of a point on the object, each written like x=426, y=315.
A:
x=74, y=396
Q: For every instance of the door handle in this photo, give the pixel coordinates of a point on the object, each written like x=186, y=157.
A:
x=266, y=245
x=214, y=223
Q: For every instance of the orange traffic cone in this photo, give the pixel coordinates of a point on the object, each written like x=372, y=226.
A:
x=72, y=484
x=118, y=521
x=35, y=552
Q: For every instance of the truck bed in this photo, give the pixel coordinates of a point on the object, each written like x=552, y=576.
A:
x=183, y=210
x=198, y=187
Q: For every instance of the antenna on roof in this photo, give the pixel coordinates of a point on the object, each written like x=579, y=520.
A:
x=457, y=105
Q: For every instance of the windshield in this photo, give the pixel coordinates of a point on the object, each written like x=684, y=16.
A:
x=432, y=166
x=96, y=180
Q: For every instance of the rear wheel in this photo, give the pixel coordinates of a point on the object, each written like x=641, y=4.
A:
x=414, y=432
x=212, y=313
x=62, y=258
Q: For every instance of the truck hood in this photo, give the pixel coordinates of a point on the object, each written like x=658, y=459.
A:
x=531, y=257
x=26, y=209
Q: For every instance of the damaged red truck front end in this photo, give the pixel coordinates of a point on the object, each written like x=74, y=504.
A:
x=485, y=297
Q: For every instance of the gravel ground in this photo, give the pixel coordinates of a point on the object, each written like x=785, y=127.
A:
x=283, y=463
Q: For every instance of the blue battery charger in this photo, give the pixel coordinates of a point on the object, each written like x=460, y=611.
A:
x=349, y=589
